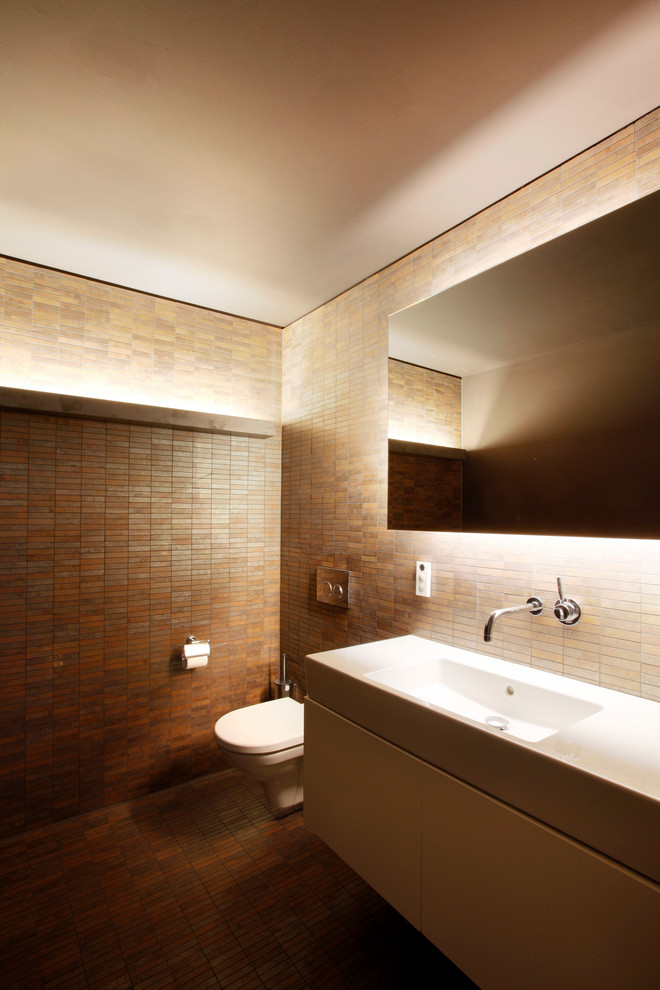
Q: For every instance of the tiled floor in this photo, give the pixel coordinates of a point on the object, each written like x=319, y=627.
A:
x=198, y=887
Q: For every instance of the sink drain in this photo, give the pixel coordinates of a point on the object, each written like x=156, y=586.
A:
x=497, y=722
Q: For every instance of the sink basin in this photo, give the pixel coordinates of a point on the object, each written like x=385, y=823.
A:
x=512, y=706
x=577, y=756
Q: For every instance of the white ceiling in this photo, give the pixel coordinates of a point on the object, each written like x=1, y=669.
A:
x=261, y=156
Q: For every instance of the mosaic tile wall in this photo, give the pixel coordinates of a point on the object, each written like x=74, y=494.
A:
x=424, y=491
x=117, y=542
x=335, y=466
x=69, y=334
x=424, y=405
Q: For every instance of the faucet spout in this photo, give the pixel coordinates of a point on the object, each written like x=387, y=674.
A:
x=533, y=605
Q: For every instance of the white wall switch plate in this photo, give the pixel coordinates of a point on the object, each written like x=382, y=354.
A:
x=423, y=578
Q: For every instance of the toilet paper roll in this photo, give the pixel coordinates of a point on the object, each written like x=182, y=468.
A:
x=195, y=655
x=189, y=663
x=196, y=649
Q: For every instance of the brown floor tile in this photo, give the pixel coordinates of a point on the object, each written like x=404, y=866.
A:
x=198, y=887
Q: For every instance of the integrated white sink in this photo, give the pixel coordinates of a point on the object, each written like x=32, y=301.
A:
x=579, y=757
x=503, y=703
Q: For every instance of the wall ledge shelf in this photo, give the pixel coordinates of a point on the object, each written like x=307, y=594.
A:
x=426, y=449
x=137, y=413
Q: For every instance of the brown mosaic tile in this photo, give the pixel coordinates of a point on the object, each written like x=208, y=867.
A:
x=197, y=887
x=117, y=541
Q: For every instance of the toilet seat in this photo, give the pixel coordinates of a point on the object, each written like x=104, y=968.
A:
x=269, y=727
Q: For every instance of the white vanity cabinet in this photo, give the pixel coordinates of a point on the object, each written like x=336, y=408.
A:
x=514, y=903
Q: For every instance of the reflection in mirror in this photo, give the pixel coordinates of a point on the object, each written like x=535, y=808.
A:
x=542, y=377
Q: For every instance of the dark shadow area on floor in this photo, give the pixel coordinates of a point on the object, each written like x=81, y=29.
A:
x=197, y=887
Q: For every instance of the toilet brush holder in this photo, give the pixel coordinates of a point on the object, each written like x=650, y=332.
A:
x=283, y=684
x=284, y=689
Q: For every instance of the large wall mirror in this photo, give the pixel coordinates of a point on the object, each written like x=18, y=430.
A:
x=527, y=399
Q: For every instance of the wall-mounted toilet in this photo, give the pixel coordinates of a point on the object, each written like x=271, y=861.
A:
x=265, y=741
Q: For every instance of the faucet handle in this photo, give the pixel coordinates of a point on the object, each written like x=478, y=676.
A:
x=566, y=610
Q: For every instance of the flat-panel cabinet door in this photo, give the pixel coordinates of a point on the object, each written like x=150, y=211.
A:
x=517, y=906
x=362, y=797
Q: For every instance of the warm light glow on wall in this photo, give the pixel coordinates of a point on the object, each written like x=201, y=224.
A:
x=64, y=334
x=570, y=546
x=424, y=406
x=141, y=413
x=439, y=438
x=115, y=393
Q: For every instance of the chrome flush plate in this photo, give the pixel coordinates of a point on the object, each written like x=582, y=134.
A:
x=332, y=586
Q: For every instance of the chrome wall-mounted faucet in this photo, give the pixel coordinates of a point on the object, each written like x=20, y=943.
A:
x=533, y=605
x=566, y=610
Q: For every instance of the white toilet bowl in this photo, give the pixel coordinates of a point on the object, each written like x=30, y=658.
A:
x=266, y=742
